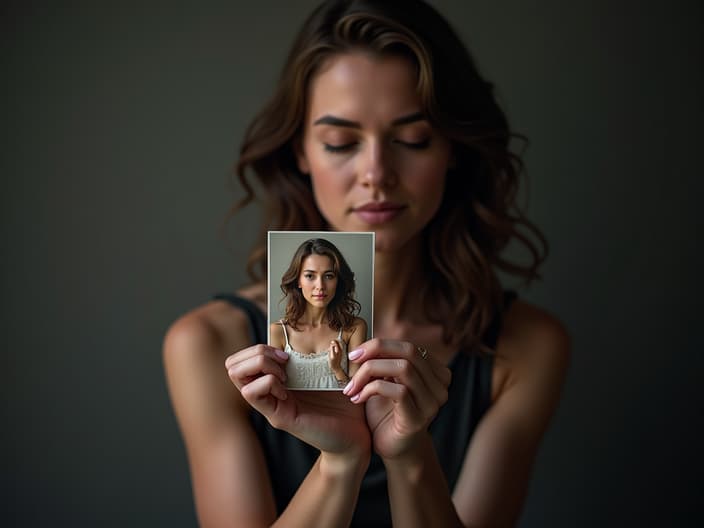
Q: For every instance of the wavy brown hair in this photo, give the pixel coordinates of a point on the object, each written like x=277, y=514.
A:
x=479, y=214
x=342, y=308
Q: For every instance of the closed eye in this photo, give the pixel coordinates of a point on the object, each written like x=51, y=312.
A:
x=414, y=145
x=339, y=148
x=417, y=145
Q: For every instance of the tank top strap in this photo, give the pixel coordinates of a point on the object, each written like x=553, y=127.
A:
x=255, y=317
x=492, y=333
x=339, y=335
x=283, y=325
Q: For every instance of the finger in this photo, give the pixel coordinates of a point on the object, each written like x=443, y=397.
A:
x=263, y=392
x=244, y=372
x=400, y=372
x=397, y=370
x=396, y=392
x=441, y=371
x=383, y=348
x=275, y=353
x=435, y=375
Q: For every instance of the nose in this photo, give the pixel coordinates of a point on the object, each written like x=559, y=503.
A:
x=375, y=169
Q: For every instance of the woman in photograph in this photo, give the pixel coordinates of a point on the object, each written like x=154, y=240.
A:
x=379, y=122
x=320, y=324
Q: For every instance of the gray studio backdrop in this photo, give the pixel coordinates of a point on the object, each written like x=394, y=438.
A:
x=357, y=250
x=120, y=124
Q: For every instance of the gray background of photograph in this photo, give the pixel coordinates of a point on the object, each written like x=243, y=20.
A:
x=120, y=123
x=358, y=250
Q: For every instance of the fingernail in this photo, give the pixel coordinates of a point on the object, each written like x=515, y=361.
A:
x=354, y=398
x=280, y=353
x=347, y=387
x=355, y=354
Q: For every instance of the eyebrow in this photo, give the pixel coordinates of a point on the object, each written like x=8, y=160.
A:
x=313, y=271
x=338, y=121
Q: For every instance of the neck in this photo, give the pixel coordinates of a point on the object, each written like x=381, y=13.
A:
x=314, y=316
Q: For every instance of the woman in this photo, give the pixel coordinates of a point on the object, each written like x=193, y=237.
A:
x=380, y=122
x=320, y=325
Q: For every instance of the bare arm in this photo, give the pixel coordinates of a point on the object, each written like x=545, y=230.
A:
x=356, y=338
x=229, y=476
x=359, y=336
x=496, y=471
x=230, y=479
x=276, y=336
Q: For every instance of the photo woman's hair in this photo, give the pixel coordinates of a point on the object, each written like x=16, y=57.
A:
x=343, y=307
x=478, y=216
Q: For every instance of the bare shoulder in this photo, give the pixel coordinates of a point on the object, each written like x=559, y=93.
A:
x=216, y=323
x=213, y=326
x=359, y=324
x=535, y=328
x=533, y=344
x=194, y=350
x=276, y=334
x=359, y=329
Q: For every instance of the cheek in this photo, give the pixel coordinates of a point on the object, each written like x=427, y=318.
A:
x=427, y=178
x=331, y=183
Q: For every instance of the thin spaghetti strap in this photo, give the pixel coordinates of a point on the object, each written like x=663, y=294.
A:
x=283, y=325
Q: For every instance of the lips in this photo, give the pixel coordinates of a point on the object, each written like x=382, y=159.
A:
x=373, y=213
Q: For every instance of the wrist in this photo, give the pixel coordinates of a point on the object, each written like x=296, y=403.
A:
x=411, y=460
x=351, y=464
x=341, y=376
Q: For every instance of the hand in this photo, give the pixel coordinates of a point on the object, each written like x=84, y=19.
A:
x=402, y=393
x=335, y=361
x=325, y=420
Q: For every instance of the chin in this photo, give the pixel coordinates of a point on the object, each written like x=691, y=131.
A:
x=385, y=242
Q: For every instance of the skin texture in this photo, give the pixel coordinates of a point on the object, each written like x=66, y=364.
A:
x=317, y=281
x=395, y=393
x=375, y=160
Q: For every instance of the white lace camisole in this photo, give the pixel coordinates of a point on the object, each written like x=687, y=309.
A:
x=312, y=371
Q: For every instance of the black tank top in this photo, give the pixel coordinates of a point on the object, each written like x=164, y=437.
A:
x=289, y=460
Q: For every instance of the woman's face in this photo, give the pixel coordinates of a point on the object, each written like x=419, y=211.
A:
x=317, y=280
x=375, y=162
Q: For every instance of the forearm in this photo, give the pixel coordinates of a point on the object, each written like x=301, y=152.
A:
x=418, y=491
x=341, y=376
x=328, y=495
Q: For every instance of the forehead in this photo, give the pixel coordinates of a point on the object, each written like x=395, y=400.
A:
x=317, y=263
x=364, y=87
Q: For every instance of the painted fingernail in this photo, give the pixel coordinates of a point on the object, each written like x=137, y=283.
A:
x=347, y=387
x=355, y=354
x=280, y=353
x=354, y=398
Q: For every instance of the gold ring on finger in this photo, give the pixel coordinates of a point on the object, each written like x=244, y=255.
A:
x=423, y=352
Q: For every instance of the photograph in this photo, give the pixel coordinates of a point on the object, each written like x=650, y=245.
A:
x=320, y=302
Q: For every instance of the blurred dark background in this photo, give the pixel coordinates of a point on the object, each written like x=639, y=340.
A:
x=120, y=122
